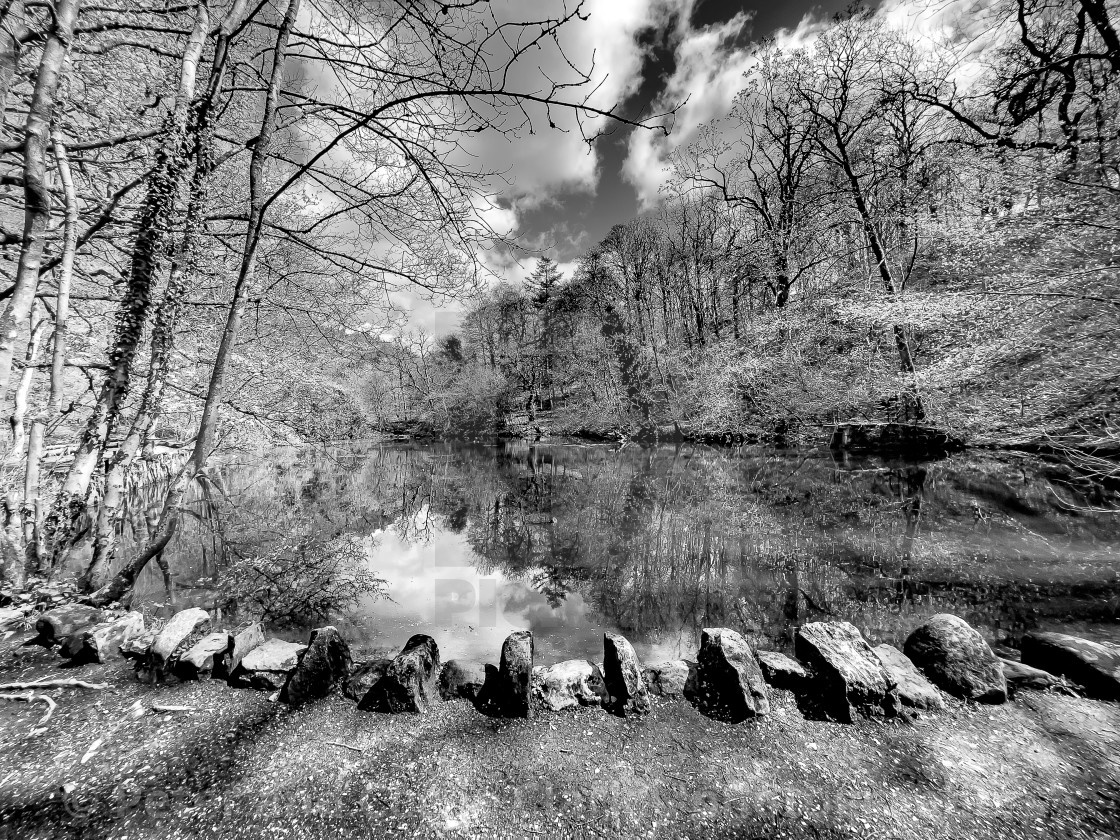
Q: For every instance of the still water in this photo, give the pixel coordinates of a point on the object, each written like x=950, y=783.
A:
x=570, y=540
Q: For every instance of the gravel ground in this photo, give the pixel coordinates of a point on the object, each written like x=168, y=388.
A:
x=240, y=766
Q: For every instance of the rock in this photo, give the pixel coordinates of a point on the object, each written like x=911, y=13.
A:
x=1093, y=665
x=324, y=665
x=410, y=681
x=913, y=688
x=461, y=680
x=515, y=670
x=1021, y=676
x=55, y=625
x=198, y=662
x=249, y=639
x=177, y=636
x=957, y=659
x=781, y=671
x=575, y=682
x=848, y=679
x=137, y=647
x=626, y=690
x=10, y=617
x=266, y=667
x=363, y=677
x=729, y=683
x=104, y=641
x=671, y=679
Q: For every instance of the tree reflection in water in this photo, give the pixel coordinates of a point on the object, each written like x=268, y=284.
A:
x=659, y=542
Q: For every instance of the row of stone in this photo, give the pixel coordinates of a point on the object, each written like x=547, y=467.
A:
x=839, y=675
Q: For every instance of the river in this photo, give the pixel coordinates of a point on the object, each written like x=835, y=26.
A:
x=571, y=539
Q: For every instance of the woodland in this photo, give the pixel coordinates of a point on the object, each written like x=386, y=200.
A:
x=880, y=230
x=207, y=208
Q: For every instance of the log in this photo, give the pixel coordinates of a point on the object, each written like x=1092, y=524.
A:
x=102, y=641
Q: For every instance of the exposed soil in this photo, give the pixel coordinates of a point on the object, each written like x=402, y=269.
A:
x=241, y=766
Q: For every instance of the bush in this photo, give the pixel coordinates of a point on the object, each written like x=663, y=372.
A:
x=301, y=579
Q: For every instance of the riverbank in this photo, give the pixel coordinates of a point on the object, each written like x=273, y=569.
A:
x=236, y=764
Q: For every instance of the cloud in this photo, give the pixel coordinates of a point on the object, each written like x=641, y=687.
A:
x=539, y=167
x=711, y=65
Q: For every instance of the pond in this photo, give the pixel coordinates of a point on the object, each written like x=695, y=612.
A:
x=570, y=540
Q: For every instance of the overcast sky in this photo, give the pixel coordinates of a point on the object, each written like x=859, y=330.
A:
x=652, y=53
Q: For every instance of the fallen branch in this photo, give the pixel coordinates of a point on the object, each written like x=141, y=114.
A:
x=31, y=697
x=49, y=683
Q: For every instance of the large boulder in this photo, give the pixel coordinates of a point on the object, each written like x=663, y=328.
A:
x=957, y=659
x=55, y=625
x=267, y=666
x=102, y=642
x=321, y=667
x=175, y=638
x=575, y=682
x=199, y=661
x=626, y=690
x=671, y=679
x=1093, y=665
x=249, y=639
x=511, y=693
x=410, y=682
x=363, y=677
x=782, y=671
x=459, y=680
x=848, y=678
x=913, y=688
x=729, y=683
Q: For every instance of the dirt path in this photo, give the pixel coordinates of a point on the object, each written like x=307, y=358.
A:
x=240, y=766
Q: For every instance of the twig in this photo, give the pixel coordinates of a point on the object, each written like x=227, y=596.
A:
x=346, y=746
x=156, y=707
x=49, y=683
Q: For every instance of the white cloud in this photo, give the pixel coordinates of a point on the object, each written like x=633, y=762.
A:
x=712, y=64
x=537, y=168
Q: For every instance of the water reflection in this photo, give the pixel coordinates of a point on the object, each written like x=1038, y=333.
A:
x=571, y=540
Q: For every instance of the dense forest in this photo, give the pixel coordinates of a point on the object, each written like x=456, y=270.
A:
x=886, y=226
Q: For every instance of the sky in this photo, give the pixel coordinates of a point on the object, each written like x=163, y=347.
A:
x=559, y=198
x=586, y=217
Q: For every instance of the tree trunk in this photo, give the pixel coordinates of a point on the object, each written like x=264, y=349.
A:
x=37, y=197
x=33, y=509
x=121, y=585
x=163, y=186
x=11, y=32
x=23, y=390
x=878, y=251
